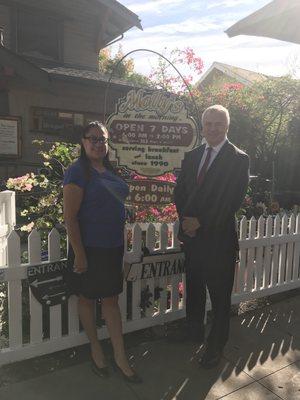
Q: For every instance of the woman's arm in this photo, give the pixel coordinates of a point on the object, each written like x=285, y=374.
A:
x=73, y=195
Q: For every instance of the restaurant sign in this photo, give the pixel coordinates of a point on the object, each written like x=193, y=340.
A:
x=150, y=132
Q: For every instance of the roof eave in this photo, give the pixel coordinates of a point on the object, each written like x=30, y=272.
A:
x=26, y=69
x=128, y=18
x=117, y=7
x=271, y=10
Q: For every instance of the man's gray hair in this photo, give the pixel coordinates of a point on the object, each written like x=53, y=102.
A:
x=216, y=108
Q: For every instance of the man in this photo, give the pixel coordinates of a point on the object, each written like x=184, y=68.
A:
x=210, y=189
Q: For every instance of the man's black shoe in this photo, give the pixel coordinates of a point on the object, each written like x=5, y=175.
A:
x=210, y=359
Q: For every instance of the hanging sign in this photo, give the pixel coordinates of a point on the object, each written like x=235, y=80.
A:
x=47, y=283
x=150, y=132
x=149, y=192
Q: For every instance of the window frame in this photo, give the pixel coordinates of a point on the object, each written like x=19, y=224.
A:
x=37, y=114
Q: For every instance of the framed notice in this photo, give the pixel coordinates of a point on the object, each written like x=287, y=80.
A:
x=10, y=135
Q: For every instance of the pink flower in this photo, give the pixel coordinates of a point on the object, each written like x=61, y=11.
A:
x=154, y=211
x=28, y=227
x=181, y=288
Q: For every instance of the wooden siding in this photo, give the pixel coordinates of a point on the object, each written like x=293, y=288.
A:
x=81, y=25
x=80, y=43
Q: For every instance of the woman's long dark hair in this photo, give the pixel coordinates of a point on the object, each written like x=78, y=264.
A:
x=84, y=158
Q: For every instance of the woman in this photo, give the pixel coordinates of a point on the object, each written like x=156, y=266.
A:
x=95, y=215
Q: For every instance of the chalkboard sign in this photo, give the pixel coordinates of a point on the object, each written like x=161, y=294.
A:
x=47, y=283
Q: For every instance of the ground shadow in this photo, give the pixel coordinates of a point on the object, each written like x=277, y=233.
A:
x=261, y=342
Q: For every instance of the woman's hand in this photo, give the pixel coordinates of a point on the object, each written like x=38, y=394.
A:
x=80, y=264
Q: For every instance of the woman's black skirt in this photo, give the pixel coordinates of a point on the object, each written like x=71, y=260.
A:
x=104, y=276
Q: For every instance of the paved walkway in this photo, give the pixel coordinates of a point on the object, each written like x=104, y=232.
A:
x=261, y=361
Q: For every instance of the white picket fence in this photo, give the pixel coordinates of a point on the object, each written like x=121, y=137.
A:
x=269, y=263
x=7, y=220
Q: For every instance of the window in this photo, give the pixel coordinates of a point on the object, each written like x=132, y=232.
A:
x=62, y=122
x=38, y=35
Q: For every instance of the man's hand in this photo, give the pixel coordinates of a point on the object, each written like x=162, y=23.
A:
x=190, y=226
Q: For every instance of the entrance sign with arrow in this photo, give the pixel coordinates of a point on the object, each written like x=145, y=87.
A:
x=47, y=282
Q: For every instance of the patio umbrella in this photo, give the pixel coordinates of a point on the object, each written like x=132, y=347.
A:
x=279, y=19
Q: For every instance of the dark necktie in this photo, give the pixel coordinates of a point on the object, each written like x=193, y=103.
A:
x=204, y=167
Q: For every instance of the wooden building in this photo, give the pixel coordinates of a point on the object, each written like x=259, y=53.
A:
x=220, y=73
x=49, y=79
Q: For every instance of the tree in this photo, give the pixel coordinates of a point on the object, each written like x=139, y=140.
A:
x=261, y=116
x=164, y=76
x=109, y=64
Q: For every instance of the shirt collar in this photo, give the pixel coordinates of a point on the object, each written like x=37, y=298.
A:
x=218, y=147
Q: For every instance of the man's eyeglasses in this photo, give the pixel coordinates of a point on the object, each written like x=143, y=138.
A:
x=95, y=139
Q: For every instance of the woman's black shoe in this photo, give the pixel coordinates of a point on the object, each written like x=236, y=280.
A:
x=134, y=378
x=101, y=372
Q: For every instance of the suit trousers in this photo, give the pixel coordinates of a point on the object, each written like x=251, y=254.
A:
x=211, y=268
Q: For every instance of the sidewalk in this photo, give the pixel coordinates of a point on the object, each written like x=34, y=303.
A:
x=261, y=361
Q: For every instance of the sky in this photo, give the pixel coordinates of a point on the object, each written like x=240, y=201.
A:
x=200, y=25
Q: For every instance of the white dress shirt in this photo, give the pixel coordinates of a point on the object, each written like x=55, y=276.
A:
x=213, y=155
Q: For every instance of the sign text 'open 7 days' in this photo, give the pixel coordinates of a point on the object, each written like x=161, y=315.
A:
x=151, y=131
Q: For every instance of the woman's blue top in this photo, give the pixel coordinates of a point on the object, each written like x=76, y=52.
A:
x=102, y=213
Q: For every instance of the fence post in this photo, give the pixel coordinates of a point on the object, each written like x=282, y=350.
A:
x=7, y=221
x=55, y=311
x=14, y=292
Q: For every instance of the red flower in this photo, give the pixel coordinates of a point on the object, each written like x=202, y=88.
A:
x=233, y=86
